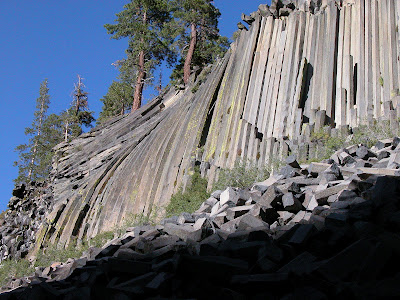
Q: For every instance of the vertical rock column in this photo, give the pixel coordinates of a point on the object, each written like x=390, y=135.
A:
x=340, y=105
x=368, y=77
x=376, y=74
x=229, y=146
x=257, y=75
x=319, y=62
x=277, y=79
x=288, y=69
x=383, y=34
x=329, y=68
x=269, y=78
x=293, y=101
x=310, y=54
x=392, y=50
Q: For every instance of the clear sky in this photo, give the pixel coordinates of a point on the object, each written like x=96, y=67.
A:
x=58, y=40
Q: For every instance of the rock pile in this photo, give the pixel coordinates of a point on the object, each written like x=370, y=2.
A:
x=283, y=8
x=318, y=231
x=26, y=212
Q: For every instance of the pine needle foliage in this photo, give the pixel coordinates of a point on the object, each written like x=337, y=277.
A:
x=33, y=156
x=142, y=22
x=190, y=199
x=78, y=114
x=117, y=101
x=197, y=38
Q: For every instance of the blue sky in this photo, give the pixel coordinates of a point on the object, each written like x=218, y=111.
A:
x=58, y=40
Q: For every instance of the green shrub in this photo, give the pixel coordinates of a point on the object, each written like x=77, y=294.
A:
x=52, y=254
x=3, y=214
x=326, y=145
x=190, y=200
x=17, y=268
x=368, y=135
x=381, y=82
x=11, y=268
x=100, y=239
x=133, y=220
x=243, y=174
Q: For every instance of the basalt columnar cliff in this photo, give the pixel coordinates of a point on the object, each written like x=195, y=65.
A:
x=299, y=66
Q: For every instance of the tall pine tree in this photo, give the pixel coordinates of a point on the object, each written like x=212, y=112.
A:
x=78, y=114
x=117, y=101
x=31, y=154
x=142, y=21
x=198, y=38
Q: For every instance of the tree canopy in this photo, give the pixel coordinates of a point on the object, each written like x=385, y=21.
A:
x=117, y=101
x=163, y=31
x=197, y=35
x=142, y=22
x=46, y=131
x=78, y=114
x=33, y=154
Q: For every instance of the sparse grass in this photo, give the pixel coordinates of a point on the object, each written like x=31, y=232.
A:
x=100, y=239
x=381, y=81
x=326, y=145
x=52, y=254
x=366, y=135
x=17, y=268
x=243, y=174
x=236, y=35
x=190, y=200
x=11, y=268
x=275, y=164
x=133, y=220
x=201, y=78
x=3, y=214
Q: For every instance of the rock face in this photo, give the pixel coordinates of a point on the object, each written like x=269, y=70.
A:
x=300, y=65
x=345, y=246
x=26, y=213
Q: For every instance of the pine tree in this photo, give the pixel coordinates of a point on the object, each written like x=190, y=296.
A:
x=117, y=101
x=196, y=27
x=51, y=136
x=78, y=114
x=69, y=124
x=142, y=21
x=32, y=153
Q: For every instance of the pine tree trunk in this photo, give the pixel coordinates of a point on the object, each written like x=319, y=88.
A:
x=66, y=131
x=137, y=98
x=36, y=142
x=189, y=56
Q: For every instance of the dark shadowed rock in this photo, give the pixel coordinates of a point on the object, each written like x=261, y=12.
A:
x=290, y=203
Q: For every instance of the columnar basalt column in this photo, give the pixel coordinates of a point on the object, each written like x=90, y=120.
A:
x=288, y=70
x=376, y=74
x=360, y=100
x=339, y=77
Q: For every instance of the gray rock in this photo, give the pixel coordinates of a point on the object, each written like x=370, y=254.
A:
x=364, y=153
x=185, y=232
x=249, y=221
x=240, y=26
x=264, y=10
x=185, y=218
x=267, y=213
x=216, y=194
x=229, y=195
x=290, y=203
x=234, y=212
x=248, y=19
x=291, y=161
